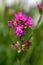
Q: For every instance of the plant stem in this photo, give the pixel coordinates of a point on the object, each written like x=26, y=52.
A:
x=36, y=26
x=39, y=20
x=19, y=61
x=20, y=55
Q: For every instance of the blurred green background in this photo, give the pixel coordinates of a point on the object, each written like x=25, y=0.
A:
x=9, y=56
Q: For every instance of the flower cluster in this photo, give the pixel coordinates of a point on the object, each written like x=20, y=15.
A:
x=20, y=23
x=22, y=47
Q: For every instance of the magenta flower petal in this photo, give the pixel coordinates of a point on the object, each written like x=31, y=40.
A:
x=20, y=13
x=10, y=23
x=30, y=27
x=20, y=17
x=40, y=6
x=15, y=47
x=27, y=46
x=17, y=19
x=29, y=22
x=18, y=34
x=29, y=43
x=19, y=30
x=24, y=18
x=15, y=15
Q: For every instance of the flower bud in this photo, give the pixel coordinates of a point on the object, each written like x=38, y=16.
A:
x=40, y=6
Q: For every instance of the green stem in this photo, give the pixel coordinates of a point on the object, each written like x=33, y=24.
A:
x=39, y=20
x=19, y=61
x=36, y=26
x=20, y=55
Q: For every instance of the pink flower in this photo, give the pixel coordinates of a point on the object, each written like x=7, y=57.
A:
x=27, y=45
x=16, y=17
x=21, y=23
x=20, y=17
x=24, y=18
x=40, y=6
x=19, y=30
x=29, y=22
x=10, y=23
x=23, y=47
x=15, y=45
